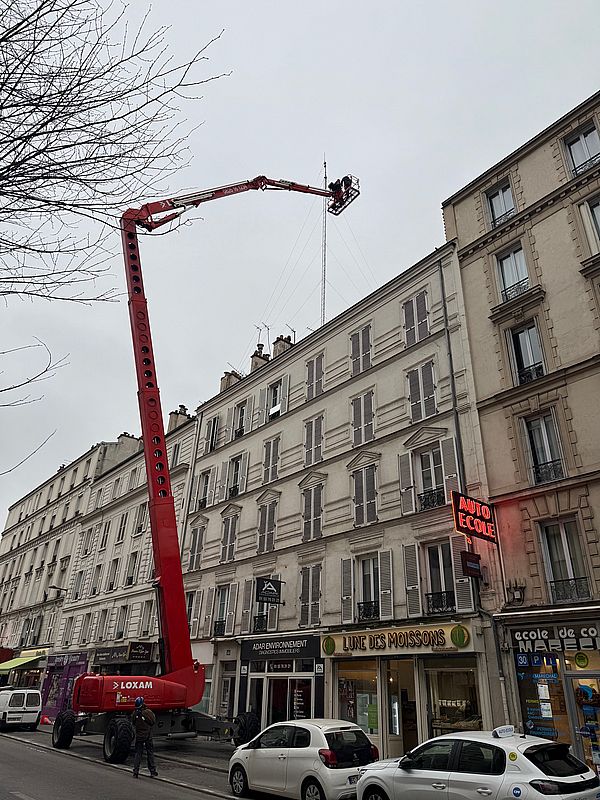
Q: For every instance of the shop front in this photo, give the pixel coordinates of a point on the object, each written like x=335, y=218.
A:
x=281, y=678
x=27, y=670
x=557, y=668
x=135, y=658
x=404, y=684
x=57, y=688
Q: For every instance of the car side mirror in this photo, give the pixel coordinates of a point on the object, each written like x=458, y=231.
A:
x=253, y=745
x=407, y=762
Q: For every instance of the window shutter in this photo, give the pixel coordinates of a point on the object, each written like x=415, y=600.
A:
x=368, y=417
x=317, y=511
x=359, y=498
x=449, y=466
x=414, y=390
x=247, y=606
x=93, y=626
x=229, y=425
x=270, y=538
x=370, y=494
x=355, y=353
x=206, y=447
x=412, y=580
x=315, y=596
x=305, y=596
x=428, y=388
x=261, y=411
x=307, y=515
x=249, y=413
x=223, y=481
x=232, y=535
x=319, y=375
x=273, y=612
x=267, y=462
x=231, y=606
x=196, y=614
x=194, y=494
x=386, y=589
x=422, y=320
x=366, y=347
x=318, y=439
x=407, y=488
x=347, y=590
x=409, y=323
x=225, y=539
x=262, y=528
x=285, y=392
x=243, y=472
x=310, y=379
x=308, y=443
x=357, y=421
x=274, y=459
x=212, y=487
x=193, y=545
x=463, y=587
x=210, y=600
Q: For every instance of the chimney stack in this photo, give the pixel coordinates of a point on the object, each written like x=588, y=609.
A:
x=177, y=418
x=259, y=358
x=281, y=344
x=228, y=379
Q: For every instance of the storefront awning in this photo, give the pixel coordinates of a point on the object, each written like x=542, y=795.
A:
x=6, y=666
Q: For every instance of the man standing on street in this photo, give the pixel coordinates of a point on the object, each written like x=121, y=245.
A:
x=143, y=720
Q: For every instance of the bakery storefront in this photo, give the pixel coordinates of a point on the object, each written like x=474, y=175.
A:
x=404, y=684
x=27, y=670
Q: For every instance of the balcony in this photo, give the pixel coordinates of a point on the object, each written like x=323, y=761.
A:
x=238, y=433
x=219, y=627
x=260, y=623
x=515, y=290
x=548, y=471
x=440, y=602
x=368, y=611
x=234, y=491
x=503, y=217
x=432, y=498
x=571, y=589
x=201, y=503
x=528, y=374
x=585, y=165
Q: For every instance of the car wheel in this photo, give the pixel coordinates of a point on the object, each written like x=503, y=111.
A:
x=374, y=793
x=238, y=782
x=312, y=791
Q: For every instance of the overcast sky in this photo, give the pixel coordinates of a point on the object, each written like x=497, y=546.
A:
x=415, y=98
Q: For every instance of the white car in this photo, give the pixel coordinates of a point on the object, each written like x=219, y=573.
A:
x=499, y=765
x=19, y=708
x=309, y=759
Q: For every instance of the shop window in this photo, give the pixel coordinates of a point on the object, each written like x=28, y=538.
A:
x=564, y=562
x=453, y=695
x=402, y=706
x=204, y=705
x=357, y=694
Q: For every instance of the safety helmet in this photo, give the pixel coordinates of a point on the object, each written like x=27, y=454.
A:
x=139, y=702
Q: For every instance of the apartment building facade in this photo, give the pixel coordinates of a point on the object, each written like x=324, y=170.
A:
x=528, y=238
x=325, y=475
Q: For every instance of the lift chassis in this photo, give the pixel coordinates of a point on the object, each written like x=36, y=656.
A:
x=103, y=703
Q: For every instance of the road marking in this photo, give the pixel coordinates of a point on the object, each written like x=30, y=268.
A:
x=22, y=796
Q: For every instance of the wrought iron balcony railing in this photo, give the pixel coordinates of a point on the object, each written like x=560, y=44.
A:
x=585, y=165
x=548, y=471
x=503, y=217
x=571, y=589
x=368, y=610
x=260, y=623
x=219, y=627
x=432, y=498
x=440, y=602
x=234, y=491
x=515, y=290
x=528, y=374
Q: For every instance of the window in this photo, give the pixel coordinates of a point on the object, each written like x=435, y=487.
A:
x=213, y=434
x=365, y=507
x=122, y=528
x=85, y=628
x=111, y=579
x=98, y=501
x=132, y=479
x=61, y=486
x=55, y=551
x=122, y=620
x=368, y=569
x=175, y=454
x=96, y=579
x=131, y=568
x=584, y=150
x=239, y=425
x=313, y=441
x=441, y=579
x=228, y=540
x=221, y=604
x=86, y=543
x=101, y=632
x=233, y=477
x=362, y=419
x=50, y=491
x=196, y=542
x=115, y=489
x=479, y=758
x=595, y=214
x=17, y=700
x=141, y=518
x=314, y=377
x=527, y=353
x=544, y=451
x=512, y=271
x=310, y=596
x=189, y=607
x=416, y=321
x=86, y=469
x=271, y=460
x=266, y=527
x=565, y=561
x=431, y=475
x=77, y=586
x=41, y=527
x=145, y=627
x=73, y=478
x=501, y=204
x=68, y=631
x=433, y=756
x=65, y=513
x=105, y=533
x=360, y=350
x=274, y=400
x=421, y=389
x=312, y=513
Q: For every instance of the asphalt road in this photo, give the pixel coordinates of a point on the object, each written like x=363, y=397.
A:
x=31, y=772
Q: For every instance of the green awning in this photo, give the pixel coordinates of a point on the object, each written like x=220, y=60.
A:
x=6, y=666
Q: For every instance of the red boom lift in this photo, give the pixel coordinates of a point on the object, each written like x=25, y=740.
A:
x=103, y=703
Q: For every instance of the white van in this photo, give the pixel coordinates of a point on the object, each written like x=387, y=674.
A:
x=20, y=707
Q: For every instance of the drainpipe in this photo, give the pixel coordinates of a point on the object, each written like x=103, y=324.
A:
x=188, y=494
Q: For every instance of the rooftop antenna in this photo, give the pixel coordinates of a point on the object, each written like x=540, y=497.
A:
x=259, y=329
x=268, y=329
x=324, y=245
x=235, y=369
x=292, y=330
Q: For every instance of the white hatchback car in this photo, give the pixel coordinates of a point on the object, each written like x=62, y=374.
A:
x=309, y=759
x=499, y=765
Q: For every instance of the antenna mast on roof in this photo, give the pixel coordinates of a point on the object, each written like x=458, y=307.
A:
x=324, y=246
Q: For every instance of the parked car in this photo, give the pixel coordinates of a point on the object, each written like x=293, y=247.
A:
x=309, y=759
x=498, y=765
x=20, y=707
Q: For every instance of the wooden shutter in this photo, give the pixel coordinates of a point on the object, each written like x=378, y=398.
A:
x=410, y=333
x=307, y=515
x=274, y=459
x=262, y=528
x=422, y=320
x=412, y=580
x=261, y=411
x=359, y=497
x=370, y=494
x=357, y=421
x=366, y=347
x=225, y=539
x=212, y=487
x=428, y=389
x=273, y=612
x=249, y=423
x=229, y=425
x=386, y=588
x=231, y=607
x=317, y=511
x=368, y=416
x=247, y=606
x=315, y=595
x=308, y=443
x=318, y=439
x=310, y=379
x=267, y=462
x=223, y=481
x=304, y=596
x=206, y=448
x=355, y=353
x=449, y=467
x=210, y=601
x=414, y=391
x=270, y=538
x=407, y=488
x=232, y=536
x=192, y=553
x=319, y=375
x=243, y=472
x=285, y=393
x=347, y=590
x=93, y=626
x=196, y=614
x=463, y=586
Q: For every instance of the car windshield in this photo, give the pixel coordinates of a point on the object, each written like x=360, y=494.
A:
x=352, y=747
x=555, y=760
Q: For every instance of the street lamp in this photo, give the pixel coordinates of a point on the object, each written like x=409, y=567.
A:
x=58, y=588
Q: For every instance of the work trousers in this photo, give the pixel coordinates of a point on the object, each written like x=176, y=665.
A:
x=139, y=750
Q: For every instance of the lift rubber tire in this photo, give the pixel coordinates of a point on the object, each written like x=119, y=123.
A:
x=247, y=726
x=118, y=738
x=238, y=781
x=64, y=729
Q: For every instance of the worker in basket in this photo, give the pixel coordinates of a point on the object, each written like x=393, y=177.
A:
x=143, y=720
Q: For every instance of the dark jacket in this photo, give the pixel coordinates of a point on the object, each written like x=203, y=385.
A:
x=143, y=720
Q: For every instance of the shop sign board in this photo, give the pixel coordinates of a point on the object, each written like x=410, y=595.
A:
x=546, y=638
x=402, y=640
x=36, y=652
x=59, y=660
x=112, y=655
x=280, y=647
x=474, y=517
x=471, y=564
x=140, y=651
x=268, y=591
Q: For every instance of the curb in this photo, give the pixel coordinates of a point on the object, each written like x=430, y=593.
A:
x=182, y=784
